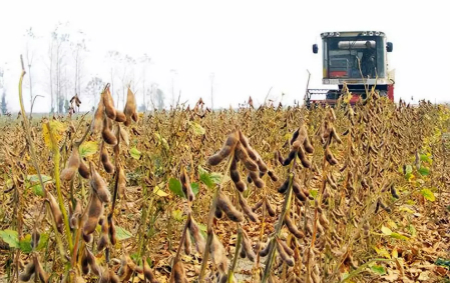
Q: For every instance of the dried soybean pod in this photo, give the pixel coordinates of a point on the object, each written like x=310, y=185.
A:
x=284, y=187
x=104, y=158
x=218, y=254
x=130, y=108
x=394, y=192
x=302, y=156
x=56, y=212
x=234, y=175
x=329, y=157
x=264, y=252
x=92, y=262
x=72, y=165
x=298, y=191
x=288, y=250
x=107, y=135
x=240, y=186
x=247, y=209
x=108, y=102
x=272, y=176
x=218, y=213
x=83, y=169
x=99, y=185
x=295, y=136
x=103, y=240
x=195, y=232
x=179, y=273
x=247, y=246
x=97, y=120
x=124, y=136
x=257, y=205
x=269, y=208
x=122, y=182
x=186, y=186
x=283, y=254
x=148, y=273
x=226, y=206
x=335, y=135
x=113, y=277
x=290, y=157
x=84, y=262
x=105, y=276
x=25, y=276
x=292, y=228
x=125, y=270
x=112, y=230
x=95, y=210
x=120, y=116
x=43, y=276
x=35, y=238
x=308, y=146
x=228, y=147
x=74, y=218
x=242, y=155
x=187, y=244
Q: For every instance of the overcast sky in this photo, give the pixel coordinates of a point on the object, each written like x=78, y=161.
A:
x=251, y=46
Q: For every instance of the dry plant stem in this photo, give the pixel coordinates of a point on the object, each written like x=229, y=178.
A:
x=211, y=218
x=236, y=255
x=56, y=157
x=180, y=246
x=287, y=203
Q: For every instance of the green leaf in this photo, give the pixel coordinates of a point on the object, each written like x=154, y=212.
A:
x=35, y=178
x=409, y=169
x=122, y=234
x=314, y=193
x=424, y=171
x=385, y=230
x=43, y=240
x=412, y=230
x=159, y=192
x=427, y=194
x=195, y=188
x=135, y=153
x=399, y=236
x=177, y=215
x=175, y=187
x=378, y=269
x=197, y=128
x=25, y=244
x=37, y=189
x=425, y=158
x=203, y=229
x=10, y=237
x=205, y=177
x=88, y=148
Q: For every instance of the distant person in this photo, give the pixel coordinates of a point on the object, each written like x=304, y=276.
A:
x=368, y=61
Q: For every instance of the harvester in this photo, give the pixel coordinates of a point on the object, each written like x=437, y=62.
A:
x=355, y=62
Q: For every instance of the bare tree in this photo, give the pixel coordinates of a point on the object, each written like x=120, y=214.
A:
x=145, y=60
x=93, y=89
x=4, y=105
x=78, y=50
x=29, y=59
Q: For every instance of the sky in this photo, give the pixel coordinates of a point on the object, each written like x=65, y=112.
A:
x=250, y=46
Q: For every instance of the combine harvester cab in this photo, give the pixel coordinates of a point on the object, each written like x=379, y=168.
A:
x=358, y=60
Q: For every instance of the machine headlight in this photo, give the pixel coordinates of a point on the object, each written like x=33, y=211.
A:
x=338, y=34
x=364, y=33
x=326, y=81
x=371, y=33
x=377, y=33
x=331, y=33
